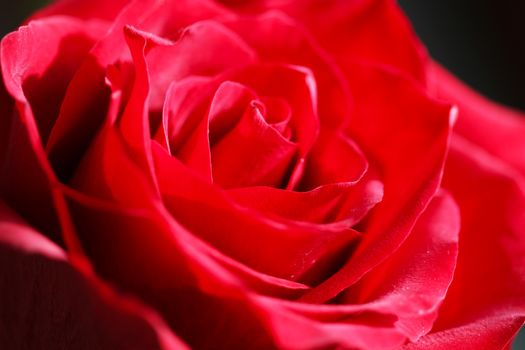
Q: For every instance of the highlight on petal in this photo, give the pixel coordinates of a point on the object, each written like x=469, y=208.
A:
x=395, y=301
x=488, y=332
x=486, y=295
x=414, y=281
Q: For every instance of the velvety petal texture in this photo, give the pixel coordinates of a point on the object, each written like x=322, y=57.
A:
x=486, y=296
x=47, y=303
x=261, y=174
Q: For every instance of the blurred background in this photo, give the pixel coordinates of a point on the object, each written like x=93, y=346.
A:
x=481, y=42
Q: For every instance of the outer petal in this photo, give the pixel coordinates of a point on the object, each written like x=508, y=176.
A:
x=368, y=30
x=498, y=130
x=488, y=333
x=46, y=303
x=414, y=281
x=487, y=294
x=40, y=59
x=38, y=62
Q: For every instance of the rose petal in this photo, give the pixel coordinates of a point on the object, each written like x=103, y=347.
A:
x=189, y=135
x=335, y=158
x=292, y=330
x=185, y=125
x=243, y=234
x=252, y=153
x=403, y=284
x=371, y=30
x=334, y=172
x=91, y=210
x=199, y=282
x=85, y=104
x=297, y=86
x=28, y=174
x=395, y=300
x=108, y=159
x=290, y=43
x=396, y=134
x=486, y=295
x=40, y=59
x=337, y=205
x=133, y=123
x=205, y=48
x=38, y=285
x=490, y=333
x=102, y=9
x=185, y=104
x=24, y=182
x=199, y=289
x=107, y=172
x=227, y=108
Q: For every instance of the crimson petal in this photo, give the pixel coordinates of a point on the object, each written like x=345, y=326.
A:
x=394, y=301
x=491, y=248
x=292, y=44
x=406, y=127
x=336, y=191
x=374, y=31
x=86, y=100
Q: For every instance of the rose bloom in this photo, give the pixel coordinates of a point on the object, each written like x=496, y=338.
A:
x=264, y=174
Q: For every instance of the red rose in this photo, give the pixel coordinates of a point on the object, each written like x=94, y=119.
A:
x=251, y=174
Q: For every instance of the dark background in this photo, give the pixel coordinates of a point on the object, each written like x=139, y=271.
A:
x=482, y=42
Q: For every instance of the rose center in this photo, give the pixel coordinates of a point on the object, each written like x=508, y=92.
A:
x=255, y=149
